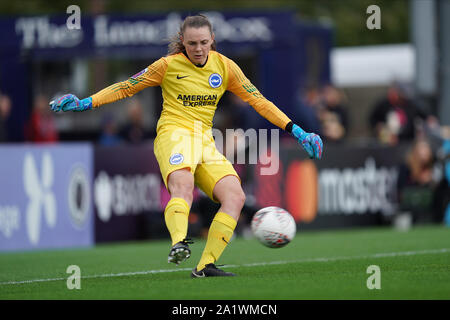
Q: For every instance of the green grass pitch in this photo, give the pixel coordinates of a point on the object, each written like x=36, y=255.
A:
x=315, y=265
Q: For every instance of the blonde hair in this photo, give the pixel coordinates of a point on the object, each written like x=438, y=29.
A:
x=197, y=21
x=414, y=163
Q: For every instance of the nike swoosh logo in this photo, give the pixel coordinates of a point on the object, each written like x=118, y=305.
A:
x=178, y=77
x=224, y=240
x=202, y=275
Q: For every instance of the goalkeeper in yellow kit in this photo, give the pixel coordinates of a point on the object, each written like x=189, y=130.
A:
x=193, y=77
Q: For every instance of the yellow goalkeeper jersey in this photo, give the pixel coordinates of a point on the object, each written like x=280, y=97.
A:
x=191, y=93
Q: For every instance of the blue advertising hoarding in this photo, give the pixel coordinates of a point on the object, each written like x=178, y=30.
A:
x=45, y=196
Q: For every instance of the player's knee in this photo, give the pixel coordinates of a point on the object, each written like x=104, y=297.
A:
x=241, y=198
x=236, y=198
x=182, y=188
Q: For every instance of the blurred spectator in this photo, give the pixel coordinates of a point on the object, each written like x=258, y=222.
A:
x=415, y=184
x=307, y=111
x=235, y=114
x=393, y=118
x=417, y=169
x=134, y=130
x=244, y=116
x=109, y=135
x=441, y=201
x=5, y=109
x=322, y=110
x=333, y=114
x=41, y=127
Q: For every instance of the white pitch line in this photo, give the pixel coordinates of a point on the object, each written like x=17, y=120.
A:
x=256, y=264
x=107, y=275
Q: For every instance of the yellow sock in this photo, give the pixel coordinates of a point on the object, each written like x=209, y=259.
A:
x=219, y=235
x=176, y=216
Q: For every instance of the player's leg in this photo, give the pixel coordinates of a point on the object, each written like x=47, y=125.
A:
x=180, y=184
x=229, y=193
x=177, y=165
x=218, y=179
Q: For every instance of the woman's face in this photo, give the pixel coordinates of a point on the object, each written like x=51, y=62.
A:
x=423, y=152
x=197, y=42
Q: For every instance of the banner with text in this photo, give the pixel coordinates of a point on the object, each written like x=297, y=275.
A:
x=127, y=190
x=349, y=186
x=45, y=196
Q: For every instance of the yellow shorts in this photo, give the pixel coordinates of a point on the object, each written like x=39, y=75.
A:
x=177, y=148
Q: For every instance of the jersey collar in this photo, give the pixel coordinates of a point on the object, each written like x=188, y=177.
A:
x=197, y=65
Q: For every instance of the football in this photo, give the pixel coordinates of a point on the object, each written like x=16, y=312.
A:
x=274, y=227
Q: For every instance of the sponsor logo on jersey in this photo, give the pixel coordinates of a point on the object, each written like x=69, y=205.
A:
x=176, y=158
x=215, y=80
x=197, y=100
